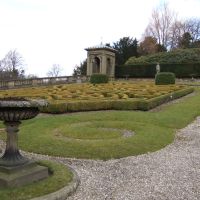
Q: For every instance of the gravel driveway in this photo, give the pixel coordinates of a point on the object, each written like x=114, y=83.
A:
x=169, y=174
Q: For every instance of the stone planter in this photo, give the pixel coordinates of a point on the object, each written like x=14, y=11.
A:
x=15, y=169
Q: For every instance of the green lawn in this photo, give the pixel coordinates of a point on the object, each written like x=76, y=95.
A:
x=84, y=135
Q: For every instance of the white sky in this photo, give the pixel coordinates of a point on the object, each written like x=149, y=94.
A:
x=47, y=32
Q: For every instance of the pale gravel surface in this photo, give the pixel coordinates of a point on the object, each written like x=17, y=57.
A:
x=173, y=173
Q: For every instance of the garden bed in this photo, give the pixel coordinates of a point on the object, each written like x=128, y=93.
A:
x=112, y=96
x=100, y=135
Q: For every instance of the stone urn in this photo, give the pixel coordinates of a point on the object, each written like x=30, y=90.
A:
x=18, y=170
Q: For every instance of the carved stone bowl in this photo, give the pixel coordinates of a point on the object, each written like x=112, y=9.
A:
x=16, y=109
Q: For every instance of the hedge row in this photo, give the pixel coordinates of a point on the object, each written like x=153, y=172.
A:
x=149, y=71
x=136, y=104
x=152, y=103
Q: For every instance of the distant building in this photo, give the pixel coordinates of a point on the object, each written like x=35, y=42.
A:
x=101, y=59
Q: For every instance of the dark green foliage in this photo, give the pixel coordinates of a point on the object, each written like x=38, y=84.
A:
x=185, y=41
x=126, y=47
x=80, y=70
x=98, y=78
x=179, y=56
x=165, y=78
x=149, y=70
x=135, y=71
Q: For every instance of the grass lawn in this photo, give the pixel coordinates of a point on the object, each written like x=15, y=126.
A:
x=84, y=135
x=60, y=178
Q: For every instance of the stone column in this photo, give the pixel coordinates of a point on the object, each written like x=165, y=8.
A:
x=113, y=67
x=88, y=65
x=104, y=64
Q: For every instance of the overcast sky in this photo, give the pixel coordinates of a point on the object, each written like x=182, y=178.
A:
x=47, y=32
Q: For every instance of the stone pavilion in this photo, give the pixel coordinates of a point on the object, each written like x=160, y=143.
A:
x=101, y=60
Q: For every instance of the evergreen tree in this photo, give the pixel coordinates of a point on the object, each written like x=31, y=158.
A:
x=185, y=41
x=80, y=70
x=126, y=47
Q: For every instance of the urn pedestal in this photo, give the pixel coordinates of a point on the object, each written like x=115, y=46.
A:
x=15, y=169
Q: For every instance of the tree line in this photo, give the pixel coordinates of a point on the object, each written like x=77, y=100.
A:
x=164, y=32
x=12, y=66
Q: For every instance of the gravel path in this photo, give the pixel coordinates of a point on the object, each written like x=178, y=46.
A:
x=172, y=173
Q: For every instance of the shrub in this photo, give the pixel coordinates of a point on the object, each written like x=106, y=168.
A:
x=165, y=78
x=98, y=78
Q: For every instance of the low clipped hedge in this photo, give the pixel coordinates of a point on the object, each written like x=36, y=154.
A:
x=98, y=78
x=135, y=104
x=165, y=78
x=154, y=102
x=91, y=105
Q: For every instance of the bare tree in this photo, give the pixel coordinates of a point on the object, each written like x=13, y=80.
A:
x=160, y=25
x=192, y=26
x=168, y=30
x=55, y=71
x=12, y=65
x=180, y=28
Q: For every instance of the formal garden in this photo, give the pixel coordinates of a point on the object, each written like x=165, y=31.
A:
x=104, y=134
x=121, y=122
x=117, y=126
x=98, y=120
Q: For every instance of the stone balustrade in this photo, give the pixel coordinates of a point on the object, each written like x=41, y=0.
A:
x=41, y=81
